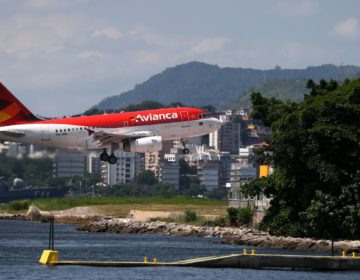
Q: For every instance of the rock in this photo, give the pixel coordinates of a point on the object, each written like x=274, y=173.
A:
x=33, y=213
x=240, y=236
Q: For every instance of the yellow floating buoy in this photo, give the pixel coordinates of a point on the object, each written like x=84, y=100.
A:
x=244, y=252
x=253, y=252
x=145, y=259
x=343, y=254
x=353, y=255
x=155, y=260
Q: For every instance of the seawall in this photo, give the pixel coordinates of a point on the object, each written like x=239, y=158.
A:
x=228, y=235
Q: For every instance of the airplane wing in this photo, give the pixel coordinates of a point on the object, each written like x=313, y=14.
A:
x=106, y=138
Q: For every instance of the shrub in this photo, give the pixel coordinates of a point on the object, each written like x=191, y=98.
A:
x=18, y=205
x=163, y=219
x=190, y=216
x=244, y=215
x=232, y=216
x=218, y=222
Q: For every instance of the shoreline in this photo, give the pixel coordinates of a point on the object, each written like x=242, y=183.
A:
x=228, y=235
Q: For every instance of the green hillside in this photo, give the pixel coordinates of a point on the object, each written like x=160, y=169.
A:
x=198, y=84
x=281, y=89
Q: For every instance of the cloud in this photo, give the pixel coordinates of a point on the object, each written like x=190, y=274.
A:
x=92, y=55
x=109, y=32
x=46, y=5
x=152, y=38
x=347, y=29
x=26, y=35
x=296, y=9
x=208, y=45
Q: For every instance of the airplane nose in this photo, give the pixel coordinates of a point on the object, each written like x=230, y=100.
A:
x=219, y=123
x=216, y=123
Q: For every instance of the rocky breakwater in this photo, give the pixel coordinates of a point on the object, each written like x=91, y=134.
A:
x=228, y=235
x=7, y=216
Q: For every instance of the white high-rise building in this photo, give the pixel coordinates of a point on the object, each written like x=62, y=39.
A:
x=228, y=137
x=124, y=171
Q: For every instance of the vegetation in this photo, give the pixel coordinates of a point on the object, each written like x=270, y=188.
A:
x=232, y=216
x=315, y=151
x=244, y=216
x=65, y=203
x=217, y=222
x=190, y=216
x=17, y=205
x=194, y=82
x=239, y=216
x=35, y=172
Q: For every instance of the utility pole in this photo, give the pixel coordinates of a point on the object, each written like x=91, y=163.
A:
x=331, y=214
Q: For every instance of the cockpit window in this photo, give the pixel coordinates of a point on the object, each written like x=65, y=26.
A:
x=202, y=116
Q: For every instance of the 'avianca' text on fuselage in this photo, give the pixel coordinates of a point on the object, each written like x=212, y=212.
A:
x=140, y=131
x=155, y=117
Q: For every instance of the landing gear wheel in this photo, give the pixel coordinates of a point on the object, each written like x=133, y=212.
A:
x=186, y=151
x=112, y=159
x=104, y=156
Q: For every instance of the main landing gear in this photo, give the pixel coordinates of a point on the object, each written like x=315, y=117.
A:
x=185, y=150
x=111, y=159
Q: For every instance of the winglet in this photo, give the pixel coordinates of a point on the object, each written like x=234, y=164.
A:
x=12, y=111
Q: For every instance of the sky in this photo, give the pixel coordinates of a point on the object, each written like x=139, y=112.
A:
x=62, y=57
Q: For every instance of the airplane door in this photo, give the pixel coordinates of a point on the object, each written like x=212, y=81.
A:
x=184, y=116
x=185, y=119
x=45, y=135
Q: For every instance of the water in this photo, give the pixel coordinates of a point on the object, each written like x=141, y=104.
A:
x=21, y=244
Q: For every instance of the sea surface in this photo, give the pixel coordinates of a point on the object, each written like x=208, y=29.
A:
x=21, y=245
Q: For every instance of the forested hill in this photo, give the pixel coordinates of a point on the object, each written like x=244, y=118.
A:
x=198, y=84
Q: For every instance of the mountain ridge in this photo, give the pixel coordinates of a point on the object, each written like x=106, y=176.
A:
x=197, y=84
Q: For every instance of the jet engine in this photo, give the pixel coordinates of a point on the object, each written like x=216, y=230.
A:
x=144, y=145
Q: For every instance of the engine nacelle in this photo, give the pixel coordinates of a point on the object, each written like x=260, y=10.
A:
x=144, y=145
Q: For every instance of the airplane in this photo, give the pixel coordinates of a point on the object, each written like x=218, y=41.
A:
x=137, y=131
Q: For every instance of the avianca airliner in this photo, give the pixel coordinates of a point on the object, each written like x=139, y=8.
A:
x=139, y=131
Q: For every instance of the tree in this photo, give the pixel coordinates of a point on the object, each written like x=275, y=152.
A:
x=93, y=111
x=315, y=151
x=145, y=105
x=146, y=177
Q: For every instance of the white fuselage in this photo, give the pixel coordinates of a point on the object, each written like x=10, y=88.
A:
x=74, y=136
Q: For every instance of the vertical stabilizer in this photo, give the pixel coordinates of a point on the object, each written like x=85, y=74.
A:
x=12, y=111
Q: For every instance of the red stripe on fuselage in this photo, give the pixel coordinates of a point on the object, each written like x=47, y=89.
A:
x=136, y=118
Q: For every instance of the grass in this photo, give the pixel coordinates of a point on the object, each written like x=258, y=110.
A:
x=65, y=203
x=16, y=206
x=122, y=210
x=120, y=206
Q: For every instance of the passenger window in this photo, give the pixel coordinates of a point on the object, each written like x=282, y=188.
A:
x=201, y=123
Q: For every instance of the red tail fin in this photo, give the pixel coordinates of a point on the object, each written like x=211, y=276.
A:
x=12, y=111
